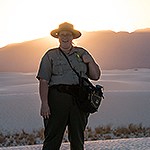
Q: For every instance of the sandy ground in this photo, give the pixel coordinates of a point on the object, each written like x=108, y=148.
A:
x=120, y=144
x=127, y=100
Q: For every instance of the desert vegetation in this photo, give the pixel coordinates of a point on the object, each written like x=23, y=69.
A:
x=99, y=133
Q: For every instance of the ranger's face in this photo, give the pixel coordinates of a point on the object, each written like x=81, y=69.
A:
x=65, y=39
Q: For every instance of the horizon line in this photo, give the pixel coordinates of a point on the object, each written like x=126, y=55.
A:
x=147, y=29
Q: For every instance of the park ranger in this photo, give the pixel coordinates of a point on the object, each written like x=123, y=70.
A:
x=58, y=107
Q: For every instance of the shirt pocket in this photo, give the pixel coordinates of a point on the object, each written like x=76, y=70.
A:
x=57, y=68
x=80, y=66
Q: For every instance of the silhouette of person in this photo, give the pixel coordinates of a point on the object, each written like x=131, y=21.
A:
x=58, y=108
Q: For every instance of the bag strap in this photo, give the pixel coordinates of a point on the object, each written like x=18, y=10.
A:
x=69, y=63
x=85, y=79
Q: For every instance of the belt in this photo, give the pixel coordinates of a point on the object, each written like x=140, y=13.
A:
x=65, y=88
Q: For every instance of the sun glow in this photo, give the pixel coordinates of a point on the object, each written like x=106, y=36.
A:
x=30, y=19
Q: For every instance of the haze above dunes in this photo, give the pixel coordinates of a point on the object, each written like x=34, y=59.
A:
x=111, y=50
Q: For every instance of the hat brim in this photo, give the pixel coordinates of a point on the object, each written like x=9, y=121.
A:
x=76, y=33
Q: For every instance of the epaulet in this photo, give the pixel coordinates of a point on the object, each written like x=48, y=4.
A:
x=79, y=47
x=82, y=48
x=50, y=50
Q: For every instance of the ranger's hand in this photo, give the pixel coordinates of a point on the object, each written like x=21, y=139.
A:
x=87, y=58
x=45, y=111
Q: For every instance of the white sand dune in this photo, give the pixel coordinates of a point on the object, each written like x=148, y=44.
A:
x=127, y=100
x=119, y=144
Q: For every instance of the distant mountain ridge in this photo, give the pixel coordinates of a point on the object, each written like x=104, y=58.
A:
x=111, y=50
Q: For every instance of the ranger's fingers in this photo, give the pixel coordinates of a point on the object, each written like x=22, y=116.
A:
x=46, y=115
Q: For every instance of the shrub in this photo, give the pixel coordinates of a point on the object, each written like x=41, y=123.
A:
x=99, y=133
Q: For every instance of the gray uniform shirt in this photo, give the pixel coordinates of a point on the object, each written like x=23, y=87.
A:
x=55, y=69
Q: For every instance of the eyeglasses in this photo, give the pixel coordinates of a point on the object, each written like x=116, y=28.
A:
x=65, y=35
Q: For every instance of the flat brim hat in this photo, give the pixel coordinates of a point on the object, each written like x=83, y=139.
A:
x=66, y=27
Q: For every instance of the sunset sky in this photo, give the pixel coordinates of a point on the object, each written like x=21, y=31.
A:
x=22, y=20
